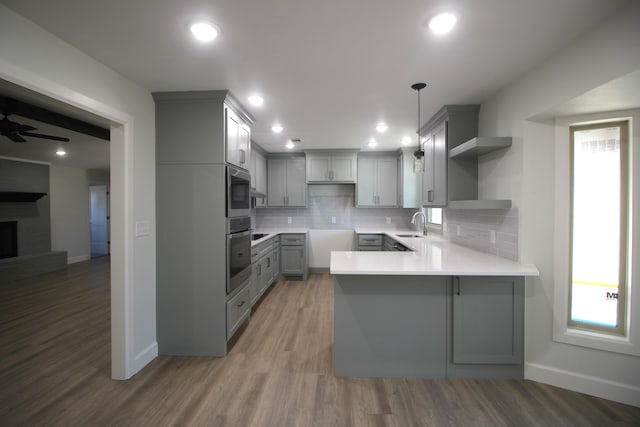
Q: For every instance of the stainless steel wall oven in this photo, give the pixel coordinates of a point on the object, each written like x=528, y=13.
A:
x=238, y=252
x=238, y=192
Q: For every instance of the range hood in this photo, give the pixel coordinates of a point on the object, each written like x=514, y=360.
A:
x=257, y=194
x=20, y=196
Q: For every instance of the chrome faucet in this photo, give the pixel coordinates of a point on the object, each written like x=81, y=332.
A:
x=424, y=217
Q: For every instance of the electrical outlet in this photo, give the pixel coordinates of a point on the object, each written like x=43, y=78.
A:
x=493, y=236
x=457, y=230
x=388, y=220
x=333, y=220
x=289, y=220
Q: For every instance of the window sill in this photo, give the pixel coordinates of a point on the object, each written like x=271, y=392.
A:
x=597, y=340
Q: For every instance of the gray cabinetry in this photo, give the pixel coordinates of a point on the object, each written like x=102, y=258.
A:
x=391, y=245
x=238, y=138
x=377, y=181
x=487, y=324
x=411, y=182
x=443, y=178
x=286, y=185
x=260, y=176
x=338, y=166
x=194, y=314
x=238, y=309
x=369, y=242
x=293, y=255
x=265, y=268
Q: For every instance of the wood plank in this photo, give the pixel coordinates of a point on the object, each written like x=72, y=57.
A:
x=55, y=370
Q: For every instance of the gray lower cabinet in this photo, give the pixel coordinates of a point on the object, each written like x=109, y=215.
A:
x=487, y=326
x=264, y=268
x=369, y=242
x=238, y=309
x=293, y=255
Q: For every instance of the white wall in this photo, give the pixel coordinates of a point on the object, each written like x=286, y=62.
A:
x=34, y=58
x=525, y=174
x=69, y=195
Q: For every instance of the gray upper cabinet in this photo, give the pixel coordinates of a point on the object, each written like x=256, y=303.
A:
x=411, y=182
x=238, y=139
x=444, y=178
x=434, y=184
x=286, y=184
x=338, y=166
x=260, y=173
x=201, y=127
x=377, y=181
x=488, y=320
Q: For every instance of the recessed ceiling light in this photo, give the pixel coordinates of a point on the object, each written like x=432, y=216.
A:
x=372, y=143
x=61, y=152
x=382, y=127
x=442, y=23
x=277, y=128
x=256, y=100
x=204, y=31
x=289, y=145
x=406, y=140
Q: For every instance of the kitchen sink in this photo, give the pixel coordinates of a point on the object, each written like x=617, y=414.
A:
x=409, y=235
x=257, y=236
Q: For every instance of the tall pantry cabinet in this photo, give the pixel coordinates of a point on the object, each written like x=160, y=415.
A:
x=197, y=133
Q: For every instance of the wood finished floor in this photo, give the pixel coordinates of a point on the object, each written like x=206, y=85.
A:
x=55, y=370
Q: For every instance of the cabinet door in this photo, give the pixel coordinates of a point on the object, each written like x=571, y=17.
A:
x=252, y=171
x=344, y=168
x=295, y=182
x=488, y=319
x=232, y=129
x=318, y=168
x=292, y=260
x=244, y=145
x=441, y=158
x=276, y=180
x=260, y=176
x=366, y=182
x=254, y=284
x=268, y=272
x=387, y=182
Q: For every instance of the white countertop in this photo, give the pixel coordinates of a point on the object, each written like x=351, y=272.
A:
x=271, y=232
x=432, y=255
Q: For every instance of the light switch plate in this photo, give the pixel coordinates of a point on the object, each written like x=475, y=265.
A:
x=333, y=220
x=289, y=220
x=493, y=236
x=143, y=228
x=388, y=220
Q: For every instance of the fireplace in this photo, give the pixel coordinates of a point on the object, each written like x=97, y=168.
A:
x=8, y=239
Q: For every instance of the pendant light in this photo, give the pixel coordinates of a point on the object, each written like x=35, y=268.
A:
x=418, y=155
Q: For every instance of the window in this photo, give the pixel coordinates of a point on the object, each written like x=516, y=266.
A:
x=598, y=227
x=434, y=216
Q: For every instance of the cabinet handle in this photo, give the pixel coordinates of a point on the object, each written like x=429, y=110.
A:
x=331, y=175
x=240, y=304
x=430, y=195
x=259, y=269
x=268, y=262
x=242, y=157
x=458, y=283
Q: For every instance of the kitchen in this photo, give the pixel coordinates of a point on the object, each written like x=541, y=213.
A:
x=522, y=161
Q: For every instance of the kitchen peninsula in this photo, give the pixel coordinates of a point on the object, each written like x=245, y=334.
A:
x=440, y=311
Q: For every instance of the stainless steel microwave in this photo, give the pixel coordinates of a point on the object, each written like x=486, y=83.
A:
x=238, y=192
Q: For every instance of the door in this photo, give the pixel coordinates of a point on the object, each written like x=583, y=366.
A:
x=99, y=220
x=488, y=319
x=387, y=182
x=296, y=185
x=292, y=260
x=276, y=179
x=318, y=168
x=244, y=145
x=366, y=182
x=343, y=168
x=232, y=125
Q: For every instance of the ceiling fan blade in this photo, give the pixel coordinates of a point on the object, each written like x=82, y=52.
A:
x=39, y=135
x=13, y=136
x=8, y=126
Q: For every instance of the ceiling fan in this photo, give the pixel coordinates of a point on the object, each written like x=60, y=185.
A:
x=15, y=131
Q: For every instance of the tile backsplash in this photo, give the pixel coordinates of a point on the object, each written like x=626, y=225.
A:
x=473, y=229
x=324, y=202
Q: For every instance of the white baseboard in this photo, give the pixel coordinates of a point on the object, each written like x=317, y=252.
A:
x=587, y=384
x=79, y=258
x=143, y=358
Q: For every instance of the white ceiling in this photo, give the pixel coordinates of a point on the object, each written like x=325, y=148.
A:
x=329, y=70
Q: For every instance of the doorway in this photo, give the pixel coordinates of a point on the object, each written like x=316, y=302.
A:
x=99, y=220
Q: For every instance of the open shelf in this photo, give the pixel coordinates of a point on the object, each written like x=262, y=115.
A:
x=480, y=145
x=479, y=204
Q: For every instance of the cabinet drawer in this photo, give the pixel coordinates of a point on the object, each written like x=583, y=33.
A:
x=292, y=239
x=369, y=239
x=238, y=309
x=369, y=248
x=262, y=249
